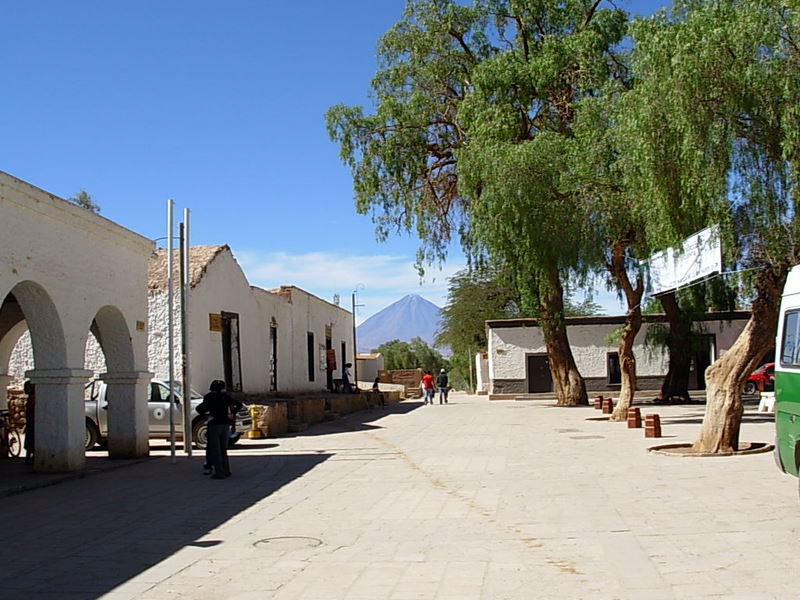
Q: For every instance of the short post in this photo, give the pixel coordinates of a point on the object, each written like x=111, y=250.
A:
x=598, y=402
x=254, y=432
x=634, y=417
x=652, y=426
x=608, y=406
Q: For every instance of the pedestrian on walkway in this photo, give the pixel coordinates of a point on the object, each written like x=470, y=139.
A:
x=30, y=421
x=442, y=383
x=427, y=387
x=222, y=409
x=376, y=392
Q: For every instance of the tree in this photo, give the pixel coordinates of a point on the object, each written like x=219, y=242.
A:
x=84, y=200
x=473, y=297
x=719, y=89
x=472, y=133
x=414, y=355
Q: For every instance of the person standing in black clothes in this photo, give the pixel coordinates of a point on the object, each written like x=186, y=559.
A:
x=442, y=383
x=222, y=409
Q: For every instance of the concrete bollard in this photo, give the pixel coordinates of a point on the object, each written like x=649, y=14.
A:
x=652, y=426
x=608, y=406
x=634, y=418
x=598, y=402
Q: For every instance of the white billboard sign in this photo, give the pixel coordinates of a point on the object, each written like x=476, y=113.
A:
x=700, y=255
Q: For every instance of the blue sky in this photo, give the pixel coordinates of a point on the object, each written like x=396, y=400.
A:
x=219, y=105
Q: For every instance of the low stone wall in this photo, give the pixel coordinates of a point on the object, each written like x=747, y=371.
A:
x=271, y=418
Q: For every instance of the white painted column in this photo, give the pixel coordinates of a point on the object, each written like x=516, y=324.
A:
x=60, y=419
x=128, y=423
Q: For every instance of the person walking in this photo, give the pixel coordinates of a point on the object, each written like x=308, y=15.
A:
x=427, y=386
x=222, y=409
x=442, y=383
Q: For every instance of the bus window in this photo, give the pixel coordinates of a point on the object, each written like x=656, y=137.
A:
x=790, y=352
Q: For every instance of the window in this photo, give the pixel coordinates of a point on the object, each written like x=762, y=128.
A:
x=311, y=358
x=613, y=369
x=790, y=353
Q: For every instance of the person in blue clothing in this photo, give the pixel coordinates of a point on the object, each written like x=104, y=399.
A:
x=221, y=409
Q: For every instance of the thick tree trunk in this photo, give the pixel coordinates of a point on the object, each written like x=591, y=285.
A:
x=679, y=343
x=569, y=385
x=631, y=327
x=725, y=379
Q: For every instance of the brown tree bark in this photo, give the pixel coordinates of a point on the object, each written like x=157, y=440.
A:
x=569, y=385
x=630, y=329
x=675, y=387
x=725, y=379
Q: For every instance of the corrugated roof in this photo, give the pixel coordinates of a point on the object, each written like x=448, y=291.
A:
x=199, y=259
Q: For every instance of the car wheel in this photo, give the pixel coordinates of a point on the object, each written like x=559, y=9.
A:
x=200, y=434
x=750, y=388
x=91, y=435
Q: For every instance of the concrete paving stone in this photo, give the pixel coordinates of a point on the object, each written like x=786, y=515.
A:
x=519, y=507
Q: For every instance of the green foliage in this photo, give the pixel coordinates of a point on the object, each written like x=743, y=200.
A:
x=84, y=200
x=410, y=355
x=474, y=296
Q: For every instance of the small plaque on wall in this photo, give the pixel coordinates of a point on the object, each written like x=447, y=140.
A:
x=139, y=325
x=214, y=322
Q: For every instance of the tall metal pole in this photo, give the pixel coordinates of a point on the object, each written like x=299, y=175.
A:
x=170, y=328
x=182, y=291
x=355, y=345
x=186, y=333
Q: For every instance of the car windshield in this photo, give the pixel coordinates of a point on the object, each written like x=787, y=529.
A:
x=179, y=389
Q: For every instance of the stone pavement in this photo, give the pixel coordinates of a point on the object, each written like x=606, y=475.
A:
x=471, y=500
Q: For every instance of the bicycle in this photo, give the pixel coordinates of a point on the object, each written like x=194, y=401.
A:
x=11, y=437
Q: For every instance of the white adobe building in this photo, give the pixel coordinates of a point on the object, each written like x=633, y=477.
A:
x=257, y=340
x=518, y=364
x=65, y=271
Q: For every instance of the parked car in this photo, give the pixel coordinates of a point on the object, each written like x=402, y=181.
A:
x=761, y=380
x=96, y=409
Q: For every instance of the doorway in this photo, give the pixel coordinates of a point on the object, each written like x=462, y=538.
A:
x=273, y=357
x=703, y=347
x=231, y=358
x=538, y=373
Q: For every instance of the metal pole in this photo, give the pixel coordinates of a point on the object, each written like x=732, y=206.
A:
x=181, y=287
x=355, y=346
x=170, y=327
x=187, y=371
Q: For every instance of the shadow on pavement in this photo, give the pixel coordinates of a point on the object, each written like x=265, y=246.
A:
x=86, y=536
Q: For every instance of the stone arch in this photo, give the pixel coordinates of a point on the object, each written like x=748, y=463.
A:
x=112, y=333
x=30, y=301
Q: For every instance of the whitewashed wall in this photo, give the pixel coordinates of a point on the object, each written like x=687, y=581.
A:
x=590, y=345
x=224, y=288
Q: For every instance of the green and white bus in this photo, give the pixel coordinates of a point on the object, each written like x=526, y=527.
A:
x=787, y=378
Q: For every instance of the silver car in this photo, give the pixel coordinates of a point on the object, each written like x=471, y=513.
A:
x=96, y=409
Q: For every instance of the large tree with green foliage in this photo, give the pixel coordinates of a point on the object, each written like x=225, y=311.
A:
x=718, y=87
x=474, y=296
x=415, y=354
x=473, y=134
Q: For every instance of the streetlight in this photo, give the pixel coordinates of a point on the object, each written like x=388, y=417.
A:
x=355, y=343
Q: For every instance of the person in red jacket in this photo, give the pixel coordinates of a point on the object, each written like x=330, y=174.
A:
x=427, y=386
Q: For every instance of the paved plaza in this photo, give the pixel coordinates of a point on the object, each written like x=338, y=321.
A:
x=466, y=501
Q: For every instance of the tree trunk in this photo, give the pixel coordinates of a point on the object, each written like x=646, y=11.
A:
x=569, y=385
x=679, y=343
x=725, y=379
x=631, y=327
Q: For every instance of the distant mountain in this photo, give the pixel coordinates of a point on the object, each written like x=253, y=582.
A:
x=411, y=316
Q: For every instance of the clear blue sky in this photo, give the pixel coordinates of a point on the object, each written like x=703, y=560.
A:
x=218, y=105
